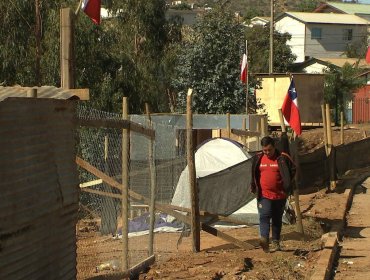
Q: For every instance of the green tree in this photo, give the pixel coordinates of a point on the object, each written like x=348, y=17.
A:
x=258, y=49
x=306, y=5
x=339, y=85
x=210, y=64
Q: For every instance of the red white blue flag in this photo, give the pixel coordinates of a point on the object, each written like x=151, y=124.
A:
x=244, y=69
x=92, y=9
x=290, y=109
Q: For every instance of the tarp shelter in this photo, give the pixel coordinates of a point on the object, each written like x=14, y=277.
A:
x=223, y=171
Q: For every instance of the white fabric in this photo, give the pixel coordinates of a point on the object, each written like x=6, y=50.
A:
x=214, y=156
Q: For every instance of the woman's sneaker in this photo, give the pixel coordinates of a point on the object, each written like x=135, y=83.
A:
x=264, y=243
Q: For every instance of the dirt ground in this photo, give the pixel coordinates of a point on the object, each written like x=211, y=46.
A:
x=219, y=259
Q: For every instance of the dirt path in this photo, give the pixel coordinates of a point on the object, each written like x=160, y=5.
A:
x=354, y=260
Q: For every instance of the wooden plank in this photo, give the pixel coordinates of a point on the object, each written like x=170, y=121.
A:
x=113, y=183
x=122, y=124
x=103, y=193
x=226, y=237
x=241, y=132
x=91, y=183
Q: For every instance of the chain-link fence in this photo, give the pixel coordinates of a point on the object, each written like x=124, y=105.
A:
x=100, y=246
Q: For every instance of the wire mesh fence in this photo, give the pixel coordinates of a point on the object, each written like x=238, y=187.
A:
x=100, y=246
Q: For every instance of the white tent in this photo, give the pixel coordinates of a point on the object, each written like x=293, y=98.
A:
x=223, y=171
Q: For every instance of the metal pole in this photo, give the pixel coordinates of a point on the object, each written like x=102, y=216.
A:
x=341, y=127
x=271, y=64
x=247, y=80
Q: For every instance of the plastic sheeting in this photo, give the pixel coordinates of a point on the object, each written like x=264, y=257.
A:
x=223, y=171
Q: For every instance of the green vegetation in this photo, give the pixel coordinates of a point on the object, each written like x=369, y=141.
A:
x=340, y=83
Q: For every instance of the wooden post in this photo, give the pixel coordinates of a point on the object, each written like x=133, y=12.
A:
x=32, y=92
x=228, y=128
x=195, y=220
x=341, y=128
x=282, y=123
x=258, y=129
x=296, y=187
x=328, y=127
x=324, y=126
x=153, y=184
x=38, y=43
x=264, y=129
x=125, y=182
x=333, y=183
x=244, y=127
x=67, y=64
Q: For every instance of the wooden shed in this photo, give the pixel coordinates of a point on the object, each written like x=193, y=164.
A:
x=310, y=90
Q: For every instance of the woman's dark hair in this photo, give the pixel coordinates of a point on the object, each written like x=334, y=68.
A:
x=267, y=140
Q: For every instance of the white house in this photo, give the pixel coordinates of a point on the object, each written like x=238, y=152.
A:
x=321, y=34
x=263, y=21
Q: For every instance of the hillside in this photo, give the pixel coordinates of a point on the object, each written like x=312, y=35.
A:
x=251, y=8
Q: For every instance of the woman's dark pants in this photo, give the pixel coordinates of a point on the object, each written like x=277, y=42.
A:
x=270, y=210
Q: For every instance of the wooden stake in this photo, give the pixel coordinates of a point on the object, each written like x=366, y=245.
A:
x=296, y=187
x=67, y=48
x=333, y=183
x=32, y=92
x=264, y=129
x=244, y=128
x=195, y=220
x=341, y=128
x=228, y=128
x=328, y=127
x=282, y=123
x=325, y=129
x=125, y=182
x=153, y=184
x=258, y=129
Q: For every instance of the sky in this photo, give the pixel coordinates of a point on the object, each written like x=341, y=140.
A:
x=364, y=1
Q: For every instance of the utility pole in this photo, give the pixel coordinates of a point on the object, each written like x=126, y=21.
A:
x=247, y=80
x=271, y=62
x=38, y=43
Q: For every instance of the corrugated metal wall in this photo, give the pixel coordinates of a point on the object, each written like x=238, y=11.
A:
x=361, y=105
x=38, y=189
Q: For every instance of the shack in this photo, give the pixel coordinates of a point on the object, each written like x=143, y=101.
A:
x=310, y=90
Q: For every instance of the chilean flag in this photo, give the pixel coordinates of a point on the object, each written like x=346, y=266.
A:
x=92, y=9
x=290, y=109
x=244, y=69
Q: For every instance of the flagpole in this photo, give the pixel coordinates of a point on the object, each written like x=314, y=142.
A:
x=78, y=8
x=247, y=80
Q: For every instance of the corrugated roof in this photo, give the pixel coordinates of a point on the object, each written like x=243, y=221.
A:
x=326, y=18
x=42, y=92
x=341, y=61
x=351, y=8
